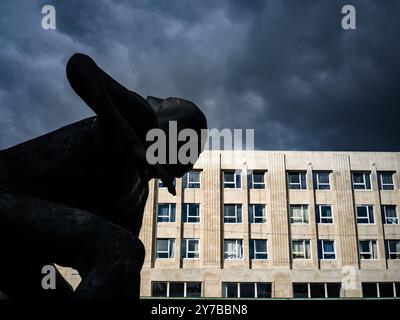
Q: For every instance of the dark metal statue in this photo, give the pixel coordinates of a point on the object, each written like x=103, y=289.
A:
x=76, y=196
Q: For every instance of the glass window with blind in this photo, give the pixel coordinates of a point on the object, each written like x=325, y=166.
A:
x=257, y=213
x=301, y=249
x=191, y=180
x=361, y=180
x=297, y=180
x=191, y=213
x=258, y=249
x=389, y=214
x=368, y=249
x=166, y=212
x=298, y=213
x=255, y=180
x=386, y=181
x=165, y=248
x=324, y=213
x=232, y=179
x=365, y=214
x=321, y=180
x=233, y=249
x=232, y=213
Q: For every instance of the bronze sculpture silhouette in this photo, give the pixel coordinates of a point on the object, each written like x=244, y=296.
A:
x=76, y=196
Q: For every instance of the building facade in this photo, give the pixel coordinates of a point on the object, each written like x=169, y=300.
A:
x=276, y=224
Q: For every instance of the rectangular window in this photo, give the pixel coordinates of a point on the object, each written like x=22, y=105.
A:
x=191, y=180
x=326, y=250
x=361, y=181
x=381, y=289
x=317, y=290
x=324, y=213
x=232, y=179
x=365, y=214
x=166, y=212
x=393, y=249
x=165, y=248
x=301, y=249
x=368, y=249
x=321, y=180
x=257, y=213
x=299, y=213
x=246, y=290
x=386, y=180
x=176, y=289
x=191, y=212
x=161, y=185
x=190, y=248
x=258, y=249
x=255, y=180
x=233, y=249
x=389, y=214
x=232, y=213
x=297, y=180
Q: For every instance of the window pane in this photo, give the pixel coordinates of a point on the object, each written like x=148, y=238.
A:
x=264, y=290
x=247, y=290
x=386, y=290
x=193, y=289
x=300, y=290
x=162, y=245
x=317, y=290
x=176, y=289
x=397, y=286
x=369, y=290
x=159, y=289
x=230, y=290
x=333, y=290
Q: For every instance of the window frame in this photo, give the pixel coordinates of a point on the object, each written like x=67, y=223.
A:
x=186, y=212
x=371, y=244
x=305, y=242
x=386, y=218
x=255, y=183
x=302, y=180
x=326, y=290
x=185, y=287
x=366, y=182
x=237, y=179
x=370, y=213
x=161, y=185
x=237, y=217
x=317, y=184
x=188, y=184
x=238, y=291
x=319, y=214
x=252, y=211
x=239, y=254
x=185, y=246
x=382, y=184
x=304, y=213
x=389, y=252
x=171, y=213
x=254, y=253
x=321, y=245
x=170, y=251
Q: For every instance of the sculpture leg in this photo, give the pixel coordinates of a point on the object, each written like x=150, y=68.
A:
x=108, y=256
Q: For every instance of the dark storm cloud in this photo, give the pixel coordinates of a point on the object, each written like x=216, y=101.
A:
x=285, y=68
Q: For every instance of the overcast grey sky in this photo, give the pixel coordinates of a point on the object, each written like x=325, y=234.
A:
x=285, y=68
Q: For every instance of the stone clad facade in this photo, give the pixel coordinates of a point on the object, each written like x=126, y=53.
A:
x=353, y=190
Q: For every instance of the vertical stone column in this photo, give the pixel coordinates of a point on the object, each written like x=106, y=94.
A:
x=279, y=247
x=148, y=230
x=178, y=223
x=346, y=224
x=210, y=223
x=245, y=217
x=312, y=217
x=279, y=211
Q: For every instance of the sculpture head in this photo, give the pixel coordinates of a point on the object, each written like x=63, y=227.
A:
x=187, y=116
